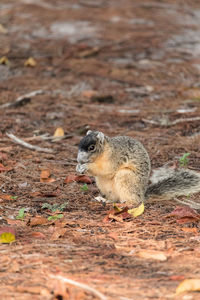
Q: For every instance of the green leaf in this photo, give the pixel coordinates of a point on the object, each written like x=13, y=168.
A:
x=184, y=159
x=21, y=214
x=54, y=207
x=46, y=205
x=14, y=197
x=60, y=216
x=84, y=187
x=55, y=217
x=62, y=206
x=7, y=237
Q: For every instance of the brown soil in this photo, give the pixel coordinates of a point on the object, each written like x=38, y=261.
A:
x=122, y=67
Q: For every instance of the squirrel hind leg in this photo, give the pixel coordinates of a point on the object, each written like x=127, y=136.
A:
x=127, y=188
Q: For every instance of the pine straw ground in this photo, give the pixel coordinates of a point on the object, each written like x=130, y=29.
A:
x=130, y=69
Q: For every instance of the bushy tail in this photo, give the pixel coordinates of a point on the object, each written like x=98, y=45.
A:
x=170, y=183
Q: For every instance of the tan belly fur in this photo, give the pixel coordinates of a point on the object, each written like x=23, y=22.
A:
x=107, y=189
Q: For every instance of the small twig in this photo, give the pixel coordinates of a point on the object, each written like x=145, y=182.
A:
x=182, y=120
x=47, y=137
x=171, y=123
x=70, y=164
x=44, y=136
x=150, y=122
x=27, y=145
x=80, y=285
x=22, y=99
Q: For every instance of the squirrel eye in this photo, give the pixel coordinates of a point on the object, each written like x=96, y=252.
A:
x=91, y=148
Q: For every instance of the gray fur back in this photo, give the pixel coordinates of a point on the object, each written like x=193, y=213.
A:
x=128, y=150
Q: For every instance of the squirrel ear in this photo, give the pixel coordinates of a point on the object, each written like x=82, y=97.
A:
x=88, y=132
x=100, y=136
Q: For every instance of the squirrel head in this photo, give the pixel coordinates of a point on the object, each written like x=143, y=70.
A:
x=90, y=146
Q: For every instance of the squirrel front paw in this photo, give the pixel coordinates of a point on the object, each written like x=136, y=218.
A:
x=81, y=168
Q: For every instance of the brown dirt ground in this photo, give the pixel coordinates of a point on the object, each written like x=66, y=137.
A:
x=143, y=59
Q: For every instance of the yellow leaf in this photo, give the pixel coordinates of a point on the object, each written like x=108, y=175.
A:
x=135, y=212
x=116, y=207
x=30, y=62
x=4, y=60
x=59, y=132
x=188, y=285
x=7, y=237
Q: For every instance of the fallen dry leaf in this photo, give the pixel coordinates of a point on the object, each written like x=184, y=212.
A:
x=5, y=169
x=48, y=180
x=58, y=232
x=59, y=132
x=186, y=220
x=7, y=197
x=60, y=223
x=152, y=254
x=38, y=235
x=118, y=214
x=35, y=194
x=190, y=230
x=177, y=277
x=78, y=178
x=7, y=234
x=137, y=211
x=70, y=178
x=106, y=219
x=38, y=220
x=4, y=60
x=19, y=223
x=45, y=176
x=30, y=62
x=184, y=214
x=115, y=217
x=188, y=285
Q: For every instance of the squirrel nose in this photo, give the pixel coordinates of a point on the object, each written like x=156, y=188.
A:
x=82, y=157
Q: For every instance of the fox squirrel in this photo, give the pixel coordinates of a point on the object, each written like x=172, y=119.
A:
x=121, y=167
